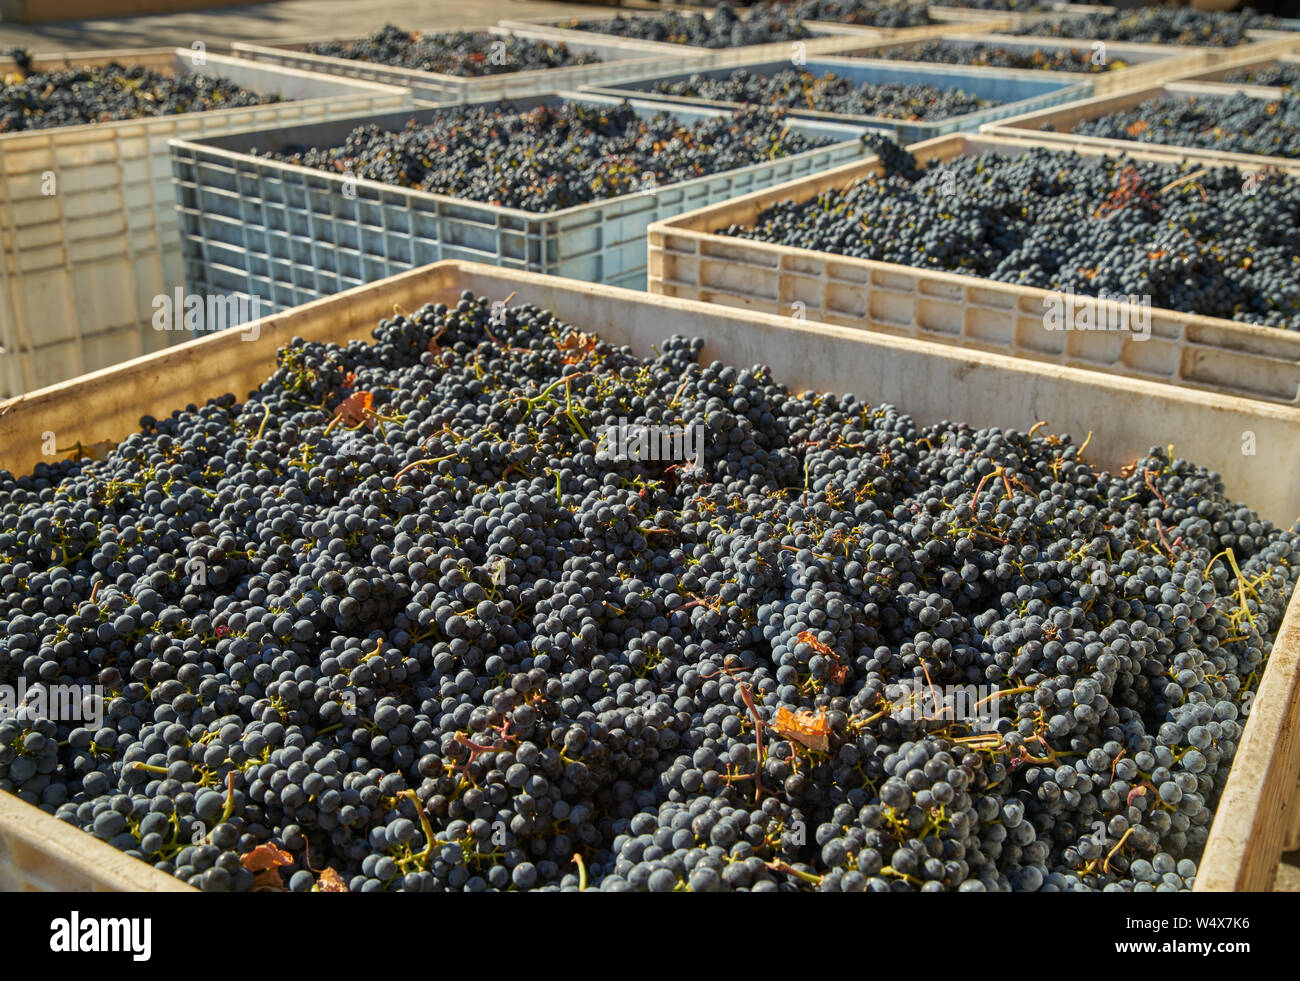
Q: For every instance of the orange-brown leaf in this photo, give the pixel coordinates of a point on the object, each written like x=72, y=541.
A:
x=839, y=673
x=330, y=881
x=804, y=727
x=434, y=347
x=1135, y=128
x=810, y=638
x=268, y=880
x=353, y=410
x=266, y=856
x=575, y=346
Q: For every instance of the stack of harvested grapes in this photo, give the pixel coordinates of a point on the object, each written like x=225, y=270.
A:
x=555, y=156
x=464, y=53
x=75, y=96
x=400, y=621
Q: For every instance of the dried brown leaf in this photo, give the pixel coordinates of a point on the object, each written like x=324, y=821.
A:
x=268, y=880
x=804, y=727
x=575, y=346
x=264, y=857
x=355, y=409
x=330, y=881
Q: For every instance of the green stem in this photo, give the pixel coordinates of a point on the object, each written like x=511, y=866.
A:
x=425, y=855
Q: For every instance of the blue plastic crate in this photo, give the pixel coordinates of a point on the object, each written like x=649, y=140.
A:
x=1015, y=91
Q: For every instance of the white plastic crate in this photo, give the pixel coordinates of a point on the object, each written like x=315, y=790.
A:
x=690, y=260
x=929, y=381
x=824, y=39
x=1219, y=76
x=618, y=62
x=1048, y=11
x=1257, y=42
x=253, y=226
x=87, y=259
x=1015, y=91
x=1143, y=64
x=1064, y=118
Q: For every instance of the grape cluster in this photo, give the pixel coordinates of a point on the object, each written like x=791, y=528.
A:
x=999, y=56
x=1206, y=240
x=463, y=53
x=1279, y=74
x=797, y=89
x=396, y=624
x=863, y=13
x=724, y=29
x=75, y=96
x=1232, y=124
x=1158, y=25
x=553, y=157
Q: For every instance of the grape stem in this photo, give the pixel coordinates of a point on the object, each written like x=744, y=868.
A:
x=424, y=856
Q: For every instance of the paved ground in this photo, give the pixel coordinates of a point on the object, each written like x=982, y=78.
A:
x=317, y=18
x=265, y=21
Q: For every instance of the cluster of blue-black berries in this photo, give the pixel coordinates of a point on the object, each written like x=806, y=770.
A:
x=555, y=156
x=798, y=89
x=393, y=622
x=464, y=53
x=1190, y=237
x=73, y=96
